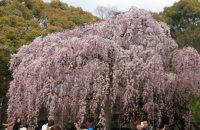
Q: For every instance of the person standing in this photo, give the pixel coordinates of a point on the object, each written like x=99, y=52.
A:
x=17, y=124
x=13, y=125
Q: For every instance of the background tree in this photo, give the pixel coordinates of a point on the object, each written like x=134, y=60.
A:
x=184, y=21
x=130, y=56
x=194, y=103
x=106, y=12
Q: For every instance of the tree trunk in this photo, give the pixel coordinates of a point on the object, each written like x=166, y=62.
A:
x=108, y=103
x=108, y=115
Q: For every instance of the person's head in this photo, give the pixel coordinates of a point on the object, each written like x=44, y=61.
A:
x=17, y=120
x=25, y=125
x=45, y=121
x=144, y=124
x=139, y=127
x=56, y=127
x=90, y=119
x=50, y=123
x=78, y=121
x=70, y=126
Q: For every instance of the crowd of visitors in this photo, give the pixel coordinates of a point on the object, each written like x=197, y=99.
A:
x=49, y=124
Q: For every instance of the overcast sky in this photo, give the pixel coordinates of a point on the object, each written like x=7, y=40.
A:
x=122, y=5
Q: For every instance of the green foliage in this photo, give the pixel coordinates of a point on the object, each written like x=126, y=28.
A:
x=184, y=20
x=21, y=21
x=54, y=28
x=194, y=104
x=5, y=77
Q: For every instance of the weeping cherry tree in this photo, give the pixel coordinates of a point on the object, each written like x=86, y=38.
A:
x=130, y=56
